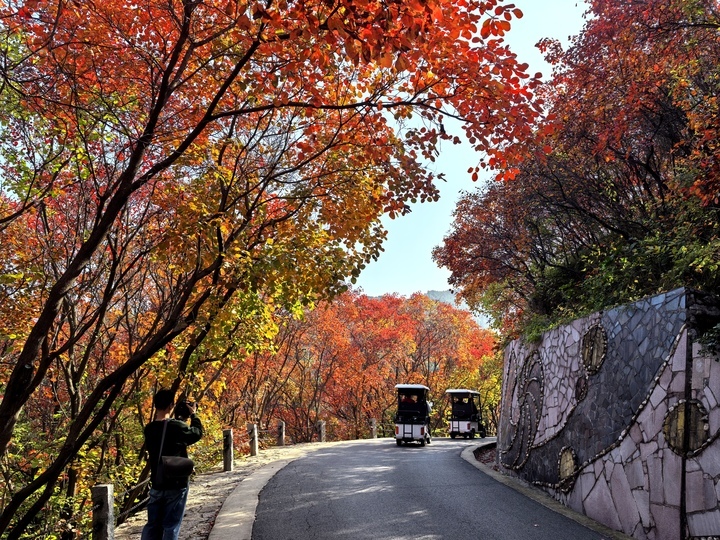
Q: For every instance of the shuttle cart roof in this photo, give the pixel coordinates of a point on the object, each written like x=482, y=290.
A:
x=461, y=391
x=412, y=387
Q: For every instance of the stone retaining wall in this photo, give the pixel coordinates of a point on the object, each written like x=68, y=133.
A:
x=617, y=415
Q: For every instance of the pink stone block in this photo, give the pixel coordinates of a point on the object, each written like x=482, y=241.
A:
x=574, y=499
x=655, y=476
x=598, y=467
x=657, y=397
x=678, y=360
x=667, y=522
x=714, y=419
x=711, y=501
x=654, y=424
x=600, y=507
x=642, y=503
x=714, y=383
x=709, y=459
x=677, y=386
x=623, y=500
x=695, y=494
x=584, y=484
x=609, y=467
x=635, y=474
x=710, y=399
x=704, y=524
x=647, y=450
x=666, y=378
x=672, y=473
x=626, y=449
x=636, y=434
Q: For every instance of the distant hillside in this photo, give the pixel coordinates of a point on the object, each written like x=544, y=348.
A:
x=448, y=297
x=442, y=296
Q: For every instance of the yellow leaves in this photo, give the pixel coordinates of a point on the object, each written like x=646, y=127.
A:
x=282, y=34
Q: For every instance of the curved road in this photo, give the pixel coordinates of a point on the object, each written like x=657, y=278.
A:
x=376, y=490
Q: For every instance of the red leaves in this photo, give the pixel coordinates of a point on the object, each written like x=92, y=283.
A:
x=494, y=27
x=628, y=148
x=499, y=23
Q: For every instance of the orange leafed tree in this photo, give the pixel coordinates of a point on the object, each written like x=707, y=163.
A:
x=341, y=362
x=378, y=341
x=356, y=349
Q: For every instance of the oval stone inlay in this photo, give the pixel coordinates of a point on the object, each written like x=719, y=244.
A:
x=594, y=348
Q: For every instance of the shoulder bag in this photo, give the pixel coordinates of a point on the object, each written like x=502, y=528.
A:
x=172, y=467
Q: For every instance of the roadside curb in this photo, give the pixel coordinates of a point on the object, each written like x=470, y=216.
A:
x=237, y=515
x=540, y=496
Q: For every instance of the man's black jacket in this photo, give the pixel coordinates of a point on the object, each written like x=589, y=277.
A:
x=178, y=436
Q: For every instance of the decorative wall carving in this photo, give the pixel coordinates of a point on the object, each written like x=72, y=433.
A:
x=686, y=427
x=594, y=348
x=527, y=403
x=609, y=412
x=567, y=467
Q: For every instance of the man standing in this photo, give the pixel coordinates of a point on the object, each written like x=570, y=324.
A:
x=167, y=499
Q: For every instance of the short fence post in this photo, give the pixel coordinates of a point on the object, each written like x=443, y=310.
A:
x=373, y=428
x=103, y=518
x=253, y=434
x=321, y=430
x=281, y=433
x=228, y=454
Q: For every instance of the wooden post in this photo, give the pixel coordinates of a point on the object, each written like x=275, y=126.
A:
x=253, y=434
x=321, y=430
x=373, y=428
x=103, y=515
x=228, y=454
x=281, y=433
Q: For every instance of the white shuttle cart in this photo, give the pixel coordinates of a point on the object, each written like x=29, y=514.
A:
x=412, y=421
x=465, y=419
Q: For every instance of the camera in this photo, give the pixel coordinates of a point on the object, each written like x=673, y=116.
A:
x=182, y=409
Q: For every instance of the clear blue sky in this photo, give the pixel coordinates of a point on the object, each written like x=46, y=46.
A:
x=406, y=265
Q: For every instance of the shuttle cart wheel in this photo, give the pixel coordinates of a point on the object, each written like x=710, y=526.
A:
x=398, y=442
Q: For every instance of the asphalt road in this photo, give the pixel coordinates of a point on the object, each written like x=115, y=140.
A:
x=379, y=491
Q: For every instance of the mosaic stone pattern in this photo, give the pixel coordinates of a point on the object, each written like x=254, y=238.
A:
x=618, y=416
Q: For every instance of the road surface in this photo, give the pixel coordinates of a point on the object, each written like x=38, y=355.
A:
x=376, y=490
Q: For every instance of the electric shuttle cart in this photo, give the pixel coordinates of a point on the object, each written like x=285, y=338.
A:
x=412, y=421
x=465, y=417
